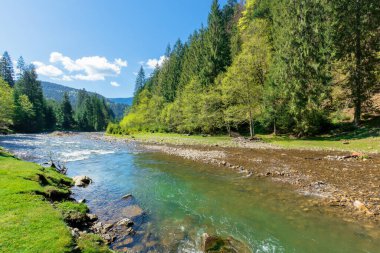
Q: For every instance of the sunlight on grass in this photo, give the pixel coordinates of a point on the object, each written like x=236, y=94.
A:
x=362, y=141
x=28, y=222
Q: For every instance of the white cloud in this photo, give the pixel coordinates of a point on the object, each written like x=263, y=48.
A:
x=92, y=68
x=153, y=63
x=66, y=78
x=121, y=62
x=47, y=70
x=115, y=84
x=67, y=62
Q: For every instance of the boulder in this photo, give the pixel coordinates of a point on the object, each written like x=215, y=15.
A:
x=82, y=181
x=217, y=244
x=92, y=217
x=132, y=211
x=125, y=222
x=75, y=232
x=108, y=238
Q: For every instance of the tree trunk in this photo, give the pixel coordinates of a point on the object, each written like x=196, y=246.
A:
x=251, y=126
x=229, y=130
x=274, y=127
x=358, y=75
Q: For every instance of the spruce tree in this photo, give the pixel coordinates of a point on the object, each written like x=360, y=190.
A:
x=20, y=67
x=67, y=113
x=6, y=69
x=217, y=44
x=29, y=86
x=301, y=61
x=357, y=42
x=140, y=80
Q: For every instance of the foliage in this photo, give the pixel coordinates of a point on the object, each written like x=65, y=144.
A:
x=29, y=102
x=357, y=39
x=92, y=112
x=140, y=80
x=6, y=69
x=67, y=113
x=273, y=64
x=301, y=62
x=6, y=106
x=24, y=108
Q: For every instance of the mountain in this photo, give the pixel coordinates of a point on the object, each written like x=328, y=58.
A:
x=55, y=92
x=124, y=101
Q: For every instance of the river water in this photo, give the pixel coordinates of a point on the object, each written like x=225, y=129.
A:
x=182, y=199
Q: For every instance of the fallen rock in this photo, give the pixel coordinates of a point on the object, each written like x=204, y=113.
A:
x=107, y=227
x=108, y=238
x=360, y=206
x=97, y=227
x=92, y=217
x=82, y=181
x=127, y=196
x=125, y=222
x=75, y=232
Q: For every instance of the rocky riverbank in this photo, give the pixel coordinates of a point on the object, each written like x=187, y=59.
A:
x=346, y=183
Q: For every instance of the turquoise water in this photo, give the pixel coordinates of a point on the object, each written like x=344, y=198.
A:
x=183, y=199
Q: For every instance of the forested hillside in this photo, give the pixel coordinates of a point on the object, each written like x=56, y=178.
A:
x=277, y=65
x=56, y=92
x=23, y=107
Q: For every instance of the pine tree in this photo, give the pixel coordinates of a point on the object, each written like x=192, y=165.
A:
x=140, y=80
x=301, y=61
x=67, y=112
x=194, y=60
x=6, y=69
x=357, y=40
x=217, y=44
x=50, y=115
x=170, y=72
x=29, y=86
x=20, y=67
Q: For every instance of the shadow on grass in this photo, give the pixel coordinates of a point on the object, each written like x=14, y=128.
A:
x=341, y=132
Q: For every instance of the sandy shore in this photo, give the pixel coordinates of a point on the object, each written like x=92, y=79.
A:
x=345, y=182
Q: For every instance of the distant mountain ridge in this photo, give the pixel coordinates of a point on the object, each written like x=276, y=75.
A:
x=125, y=101
x=56, y=91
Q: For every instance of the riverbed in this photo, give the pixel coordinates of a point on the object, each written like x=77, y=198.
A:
x=175, y=200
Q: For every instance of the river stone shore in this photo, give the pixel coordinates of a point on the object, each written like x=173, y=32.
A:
x=347, y=184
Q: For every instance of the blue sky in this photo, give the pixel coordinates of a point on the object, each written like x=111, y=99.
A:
x=98, y=45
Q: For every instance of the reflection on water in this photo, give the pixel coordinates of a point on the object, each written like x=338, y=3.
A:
x=182, y=199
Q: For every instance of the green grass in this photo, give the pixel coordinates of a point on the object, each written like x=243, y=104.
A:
x=91, y=243
x=29, y=223
x=180, y=139
x=368, y=144
x=364, y=139
x=69, y=206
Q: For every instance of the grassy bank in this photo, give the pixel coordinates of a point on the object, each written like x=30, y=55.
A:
x=361, y=140
x=29, y=222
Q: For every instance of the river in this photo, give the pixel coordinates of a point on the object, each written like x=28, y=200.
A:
x=182, y=200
